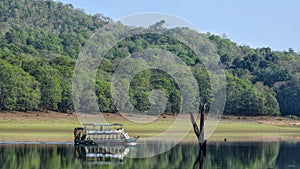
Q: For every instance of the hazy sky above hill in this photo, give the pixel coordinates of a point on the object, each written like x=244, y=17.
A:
x=258, y=23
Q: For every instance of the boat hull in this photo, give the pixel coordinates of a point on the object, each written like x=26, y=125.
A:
x=130, y=141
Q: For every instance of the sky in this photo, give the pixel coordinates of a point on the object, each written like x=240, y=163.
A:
x=257, y=23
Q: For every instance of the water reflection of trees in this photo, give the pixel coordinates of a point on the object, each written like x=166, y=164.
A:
x=288, y=156
x=241, y=155
x=219, y=155
x=36, y=157
x=183, y=156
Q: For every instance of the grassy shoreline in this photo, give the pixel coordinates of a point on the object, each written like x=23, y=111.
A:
x=57, y=127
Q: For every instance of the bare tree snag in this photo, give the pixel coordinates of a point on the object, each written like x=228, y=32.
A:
x=199, y=132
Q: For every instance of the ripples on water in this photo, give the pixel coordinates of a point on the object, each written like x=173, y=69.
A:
x=254, y=155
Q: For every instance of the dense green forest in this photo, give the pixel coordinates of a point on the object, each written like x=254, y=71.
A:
x=40, y=41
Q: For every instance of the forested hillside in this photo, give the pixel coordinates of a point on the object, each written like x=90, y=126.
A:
x=40, y=41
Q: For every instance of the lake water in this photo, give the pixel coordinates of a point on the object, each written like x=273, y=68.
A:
x=225, y=155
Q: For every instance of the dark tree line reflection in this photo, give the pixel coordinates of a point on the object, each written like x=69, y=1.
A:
x=183, y=156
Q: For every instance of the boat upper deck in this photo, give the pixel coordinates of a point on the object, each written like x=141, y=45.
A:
x=103, y=128
x=106, y=125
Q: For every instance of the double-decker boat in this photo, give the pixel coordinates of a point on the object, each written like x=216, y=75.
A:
x=91, y=134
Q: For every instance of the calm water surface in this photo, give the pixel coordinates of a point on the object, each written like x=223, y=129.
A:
x=255, y=155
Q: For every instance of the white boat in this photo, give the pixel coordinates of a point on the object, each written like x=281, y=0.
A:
x=91, y=134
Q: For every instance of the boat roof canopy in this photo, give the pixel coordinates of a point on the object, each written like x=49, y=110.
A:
x=114, y=124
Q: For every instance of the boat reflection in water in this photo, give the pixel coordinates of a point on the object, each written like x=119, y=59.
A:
x=101, y=154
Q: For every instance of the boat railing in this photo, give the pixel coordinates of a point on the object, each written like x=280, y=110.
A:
x=103, y=127
x=103, y=132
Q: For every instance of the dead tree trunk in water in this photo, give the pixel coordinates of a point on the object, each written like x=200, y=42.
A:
x=199, y=132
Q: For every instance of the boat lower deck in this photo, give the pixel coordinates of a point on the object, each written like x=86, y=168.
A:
x=130, y=141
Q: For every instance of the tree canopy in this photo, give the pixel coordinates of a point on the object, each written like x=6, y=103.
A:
x=40, y=42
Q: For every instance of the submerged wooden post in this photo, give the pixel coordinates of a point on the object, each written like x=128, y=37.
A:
x=199, y=132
